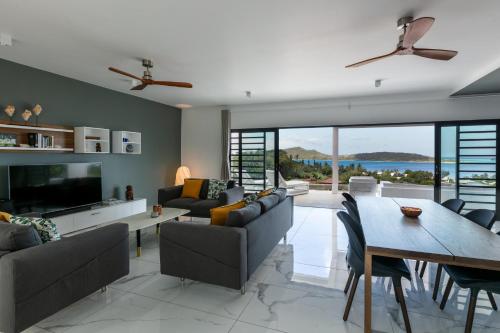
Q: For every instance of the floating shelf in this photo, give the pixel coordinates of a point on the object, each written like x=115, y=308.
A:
x=124, y=139
x=87, y=140
x=62, y=137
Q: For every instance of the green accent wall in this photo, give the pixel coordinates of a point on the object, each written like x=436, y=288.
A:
x=74, y=103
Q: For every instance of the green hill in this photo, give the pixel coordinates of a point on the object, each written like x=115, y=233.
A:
x=299, y=153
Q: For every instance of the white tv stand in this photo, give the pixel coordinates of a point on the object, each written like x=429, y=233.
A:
x=89, y=218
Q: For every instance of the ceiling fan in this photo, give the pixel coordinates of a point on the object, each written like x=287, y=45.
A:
x=147, y=78
x=413, y=30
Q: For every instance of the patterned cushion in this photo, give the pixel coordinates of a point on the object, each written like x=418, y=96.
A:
x=215, y=188
x=250, y=198
x=45, y=228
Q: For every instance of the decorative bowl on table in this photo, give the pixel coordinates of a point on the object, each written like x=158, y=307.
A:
x=411, y=211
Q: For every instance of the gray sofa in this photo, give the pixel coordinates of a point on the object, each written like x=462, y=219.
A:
x=225, y=255
x=40, y=280
x=171, y=197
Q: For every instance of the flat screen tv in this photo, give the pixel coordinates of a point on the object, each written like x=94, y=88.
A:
x=54, y=187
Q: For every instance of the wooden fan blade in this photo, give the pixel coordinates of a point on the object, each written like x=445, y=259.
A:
x=367, y=61
x=119, y=71
x=435, y=53
x=173, y=84
x=140, y=87
x=416, y=29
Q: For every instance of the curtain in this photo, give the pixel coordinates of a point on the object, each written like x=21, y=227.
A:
x=226, y=140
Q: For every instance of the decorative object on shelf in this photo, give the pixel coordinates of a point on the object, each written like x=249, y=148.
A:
x=98, y=148
x=8, y=140
x=411, y=211
x=26, y=115
x=125, y=139
x=37, y=109
x=10, y=110
x=182, y=173
x=92, y=137
x=32, y=139
x=129, y=193
x=129, y=148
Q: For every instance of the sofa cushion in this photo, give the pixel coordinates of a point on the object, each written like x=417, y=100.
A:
x=184, y=203
x=5, y=217
x=215, y=188
x=240, y=217
x=192, y=188
x=265, y=193
x=281, y=193
x=202, y=207
x=231, y=184
x=204, y=189
x=268, y=202
x=218, y=216
x=14, y=237
x=45, y=227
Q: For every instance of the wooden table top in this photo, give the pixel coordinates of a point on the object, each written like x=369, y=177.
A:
x=438, y=235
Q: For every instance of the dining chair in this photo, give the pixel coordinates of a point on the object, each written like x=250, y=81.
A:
x=455, y=205
x=381, y=267
x=349, y=198
x=482, y=217
x=352, y=210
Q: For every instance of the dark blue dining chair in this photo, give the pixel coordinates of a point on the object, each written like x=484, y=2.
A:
x=349, y=198
x=381, y=266
x=352, y=210
x=471, y=278
x=455, y=205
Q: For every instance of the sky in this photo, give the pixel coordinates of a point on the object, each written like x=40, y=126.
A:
x=407, y=139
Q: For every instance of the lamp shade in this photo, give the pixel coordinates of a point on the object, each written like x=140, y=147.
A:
x=182, y=173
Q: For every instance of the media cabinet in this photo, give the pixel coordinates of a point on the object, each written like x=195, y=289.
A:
x=70, y=223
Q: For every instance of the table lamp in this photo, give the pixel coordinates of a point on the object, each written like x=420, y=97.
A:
x=182, y=173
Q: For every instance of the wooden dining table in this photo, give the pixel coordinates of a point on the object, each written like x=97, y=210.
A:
x=437, y=235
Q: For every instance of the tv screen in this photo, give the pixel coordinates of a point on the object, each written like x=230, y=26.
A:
x=54, y=187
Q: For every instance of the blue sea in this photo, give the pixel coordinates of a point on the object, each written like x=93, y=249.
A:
x=390, y=165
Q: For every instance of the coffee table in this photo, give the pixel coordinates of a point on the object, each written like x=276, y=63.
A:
x=144, y=220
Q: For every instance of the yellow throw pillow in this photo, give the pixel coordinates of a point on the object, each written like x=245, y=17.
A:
x=192, y=188
x=265, y=192
x=5, y=217
x=218, y=215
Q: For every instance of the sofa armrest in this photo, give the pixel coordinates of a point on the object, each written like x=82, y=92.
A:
x=64, y=271
x=209, y=253
x=169, y=193
x=231, y=195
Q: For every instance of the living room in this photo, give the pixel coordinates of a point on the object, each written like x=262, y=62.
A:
x=140, y=178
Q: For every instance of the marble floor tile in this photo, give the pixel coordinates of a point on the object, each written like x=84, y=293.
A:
x=241, y=327
x=135, y=313
x=140, y=272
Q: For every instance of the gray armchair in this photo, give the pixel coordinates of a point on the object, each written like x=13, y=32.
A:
x=39, y=281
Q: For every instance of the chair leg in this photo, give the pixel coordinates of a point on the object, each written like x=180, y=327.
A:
x=349, y=279
x=417, y=265
x=438, y=280
x=395, y=293
x=492, y=301
x=446, y=293
x=351, y=297
x=422, y=271
x=399, y=293
x=470, y=312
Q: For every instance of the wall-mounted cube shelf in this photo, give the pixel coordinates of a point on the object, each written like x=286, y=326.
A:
x=90, y=140
x=125, y=142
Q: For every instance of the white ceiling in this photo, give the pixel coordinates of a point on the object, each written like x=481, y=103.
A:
x=281, y=50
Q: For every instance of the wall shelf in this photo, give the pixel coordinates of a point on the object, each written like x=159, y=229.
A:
x=87, y=140
x=122, y=139
x=62, y=137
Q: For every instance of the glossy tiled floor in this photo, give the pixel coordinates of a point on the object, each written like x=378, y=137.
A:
x=297, y=289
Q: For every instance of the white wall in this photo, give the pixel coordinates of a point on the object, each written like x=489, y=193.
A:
x=385, y=109
x=201, y=141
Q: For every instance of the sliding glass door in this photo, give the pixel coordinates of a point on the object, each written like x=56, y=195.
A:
x=467, y=163
x=254, y=155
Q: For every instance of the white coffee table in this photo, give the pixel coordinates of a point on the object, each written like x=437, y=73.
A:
x=144, y=220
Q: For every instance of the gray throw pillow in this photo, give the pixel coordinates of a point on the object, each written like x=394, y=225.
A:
x=241, y=217
x=268, y=202
x=14, y=237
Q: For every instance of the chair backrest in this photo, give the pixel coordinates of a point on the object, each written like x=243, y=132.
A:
x=455, y=205
x=484, y=217
x=352, y=210
x=349, y=197
x=354, y=233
